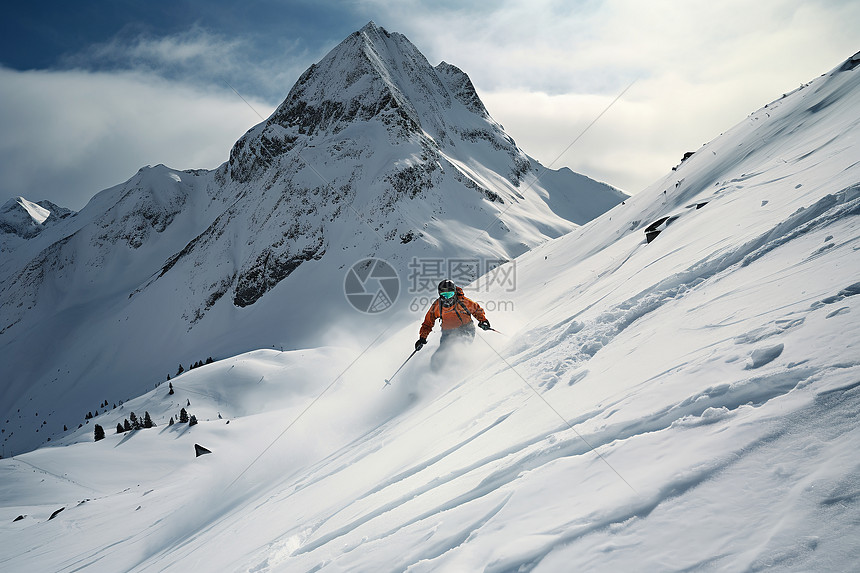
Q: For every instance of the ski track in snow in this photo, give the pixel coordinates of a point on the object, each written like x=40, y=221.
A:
x=582, y=341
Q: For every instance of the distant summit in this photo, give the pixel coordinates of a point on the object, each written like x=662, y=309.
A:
x=381, y=77
x=27, y=219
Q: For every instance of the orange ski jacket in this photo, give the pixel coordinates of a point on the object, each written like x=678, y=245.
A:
x=454, y=316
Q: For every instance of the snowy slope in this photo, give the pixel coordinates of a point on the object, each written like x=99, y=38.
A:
x=690, y=403
x=374, y=152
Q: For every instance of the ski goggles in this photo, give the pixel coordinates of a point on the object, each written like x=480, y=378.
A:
x=449, y=294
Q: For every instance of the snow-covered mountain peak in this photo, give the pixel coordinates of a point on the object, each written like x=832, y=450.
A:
x=37, y=212
x=374, y=76
x=26, y=219
x=461, y=87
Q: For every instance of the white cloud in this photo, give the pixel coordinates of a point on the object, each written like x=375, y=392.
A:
x=637, y=140
x=546, y=68
x=69, y=134
x=132, y=101
x=267, y=67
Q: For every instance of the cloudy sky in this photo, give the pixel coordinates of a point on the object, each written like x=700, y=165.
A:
x=93, y=90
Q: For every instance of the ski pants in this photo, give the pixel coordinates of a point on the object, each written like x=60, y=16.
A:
x=451, y=338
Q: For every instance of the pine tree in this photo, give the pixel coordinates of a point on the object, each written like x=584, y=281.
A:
x=183, y=416
x=189, y=402
x=192, y=421
x=209, y=360
x=180, y=371
x=126, y=427
x=171, y=421
x=119, y=429
x=147, y=421
x=99, y=433
x=171, y=389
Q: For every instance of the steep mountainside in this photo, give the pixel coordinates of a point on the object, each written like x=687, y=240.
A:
x=687, y=400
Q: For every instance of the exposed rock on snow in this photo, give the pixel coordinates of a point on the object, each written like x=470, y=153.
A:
x=200, y=451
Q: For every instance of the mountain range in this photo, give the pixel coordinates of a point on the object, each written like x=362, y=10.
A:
x=373, y=153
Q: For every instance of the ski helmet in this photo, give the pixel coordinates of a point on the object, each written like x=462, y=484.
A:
x=447, y=286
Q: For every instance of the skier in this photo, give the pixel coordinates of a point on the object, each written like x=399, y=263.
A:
x=456, y=312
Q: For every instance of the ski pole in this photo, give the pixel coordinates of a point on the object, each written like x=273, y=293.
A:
x=388, y=380
x=494, y=330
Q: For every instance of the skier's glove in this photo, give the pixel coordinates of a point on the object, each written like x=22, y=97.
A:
x=419, y=344
x=484, y=325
